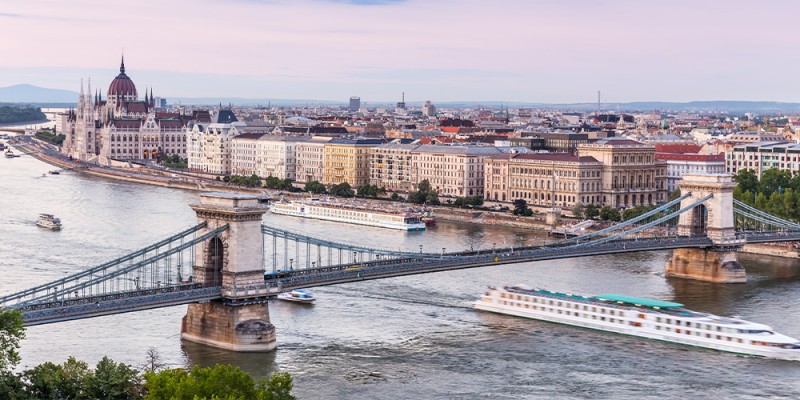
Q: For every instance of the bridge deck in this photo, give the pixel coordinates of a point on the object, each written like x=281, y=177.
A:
x=116, y=303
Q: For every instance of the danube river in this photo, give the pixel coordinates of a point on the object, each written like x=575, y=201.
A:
x=408, y=337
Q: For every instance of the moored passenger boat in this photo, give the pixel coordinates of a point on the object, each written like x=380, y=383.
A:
x=653, y=319
x=353, y=212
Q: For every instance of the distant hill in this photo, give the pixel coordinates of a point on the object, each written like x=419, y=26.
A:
x=44, y=97
x=241, y=101
x=33, y=94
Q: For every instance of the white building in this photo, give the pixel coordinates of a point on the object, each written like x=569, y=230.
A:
x=265, y=155
x=762, y=156
x=451, y=170
x=210, y=147
x=310, y=159
x=679, y=164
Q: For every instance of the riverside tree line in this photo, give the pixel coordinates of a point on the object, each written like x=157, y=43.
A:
x=108, y=380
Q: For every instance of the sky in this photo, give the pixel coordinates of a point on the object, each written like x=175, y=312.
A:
x=549, y=51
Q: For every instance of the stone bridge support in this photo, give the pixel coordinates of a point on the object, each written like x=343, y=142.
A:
x=233, y=260
x=713, y=219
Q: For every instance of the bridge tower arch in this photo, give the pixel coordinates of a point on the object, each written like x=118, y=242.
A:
x=232, y=260
x=713, y=219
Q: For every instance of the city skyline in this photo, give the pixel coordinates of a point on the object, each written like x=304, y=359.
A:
x=541, y=51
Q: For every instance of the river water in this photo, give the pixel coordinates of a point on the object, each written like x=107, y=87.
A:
x=407, y=337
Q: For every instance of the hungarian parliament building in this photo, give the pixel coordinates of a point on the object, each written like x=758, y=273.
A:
x=122, y=126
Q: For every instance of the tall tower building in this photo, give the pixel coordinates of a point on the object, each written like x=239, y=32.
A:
x=355, y=104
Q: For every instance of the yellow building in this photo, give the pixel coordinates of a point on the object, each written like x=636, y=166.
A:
x=347, y=160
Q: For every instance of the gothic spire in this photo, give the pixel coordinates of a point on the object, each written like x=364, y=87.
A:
x=122, y=65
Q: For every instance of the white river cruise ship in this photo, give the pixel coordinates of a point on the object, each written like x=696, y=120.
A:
x=653, y=319
x=353, y=212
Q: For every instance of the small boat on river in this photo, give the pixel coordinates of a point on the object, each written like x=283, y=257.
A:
x=49, y=221
x=303, y=296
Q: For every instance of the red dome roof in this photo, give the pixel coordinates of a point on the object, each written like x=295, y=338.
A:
x=122, y=85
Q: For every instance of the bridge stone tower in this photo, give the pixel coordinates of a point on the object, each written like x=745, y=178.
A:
x=233, y=260
x=713, y=219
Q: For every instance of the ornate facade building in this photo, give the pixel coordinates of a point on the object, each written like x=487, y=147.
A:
x=121, y=127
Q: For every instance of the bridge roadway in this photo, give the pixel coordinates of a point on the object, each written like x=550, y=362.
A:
x=116, y=303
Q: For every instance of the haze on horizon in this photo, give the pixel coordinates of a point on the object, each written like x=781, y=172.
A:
x=507, y=50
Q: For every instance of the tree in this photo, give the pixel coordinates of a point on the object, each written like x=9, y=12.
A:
x=315, y=187
x=153, y=360
x=278, y=387
x=44, y=381
x=761, y=201
x=674, y=195
x=11, y=387
x=12, y=330
x=342, y=190
x=114, y=381
x=424, y=194
x=220, y=382
x=609, y=214
x=774, y=180
x=520, y=205
x=747, y=180
x=592, y=211
x=396, y=197
x=578, y=210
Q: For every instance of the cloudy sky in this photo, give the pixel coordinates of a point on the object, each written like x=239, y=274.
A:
x=442, y=50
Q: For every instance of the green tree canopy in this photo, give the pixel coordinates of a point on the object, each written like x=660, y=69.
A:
x=12, y=330
x=424, y=194
x=592, y=211
x=342, y=190
x=223, y=382
x=609, y=214
x=747, y=180
x=315, y=187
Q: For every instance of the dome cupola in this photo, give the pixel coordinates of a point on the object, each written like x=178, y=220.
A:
x=122, y=86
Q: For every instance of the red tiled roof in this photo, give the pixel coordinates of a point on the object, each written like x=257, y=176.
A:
x=690, y=157
x=678, y=148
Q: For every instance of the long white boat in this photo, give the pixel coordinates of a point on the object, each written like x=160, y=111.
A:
x=352, y=212
x=653, y=319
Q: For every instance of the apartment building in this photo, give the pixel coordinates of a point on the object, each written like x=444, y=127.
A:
x=209, y=147
x=347, y=160
x=265, y=155
x=762, y=156
x=455, y=171
x=390, y=167
x=310, y=159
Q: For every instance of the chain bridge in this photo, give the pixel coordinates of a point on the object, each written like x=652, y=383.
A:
x=230, y=265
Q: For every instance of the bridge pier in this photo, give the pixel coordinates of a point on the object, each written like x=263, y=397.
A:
x=236, y=328
x=710, y=265
x=713, y=219
x=233, y=261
